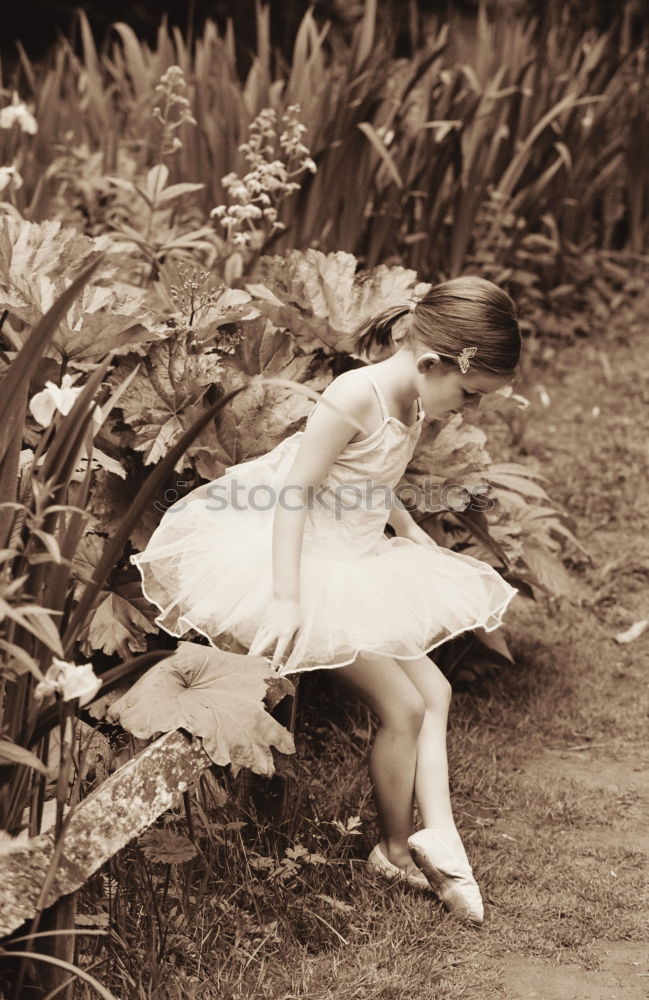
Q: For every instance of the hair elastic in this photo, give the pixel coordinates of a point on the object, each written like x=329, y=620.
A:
x=412, y=303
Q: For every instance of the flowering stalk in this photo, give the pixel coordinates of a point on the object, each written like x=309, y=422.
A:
x=275, y=163
x=200, y=304
x=172, y=110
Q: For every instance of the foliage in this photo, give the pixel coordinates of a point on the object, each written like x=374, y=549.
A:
x=214, y=695
x=44, y=600
x=524, y=534
x=516, y=162
x=322, y=299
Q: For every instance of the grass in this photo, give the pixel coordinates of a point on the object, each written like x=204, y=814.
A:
x=249, y=919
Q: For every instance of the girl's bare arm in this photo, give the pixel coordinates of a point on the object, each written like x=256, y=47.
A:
x=400, y=519
x=405, y=526
x=325, y=435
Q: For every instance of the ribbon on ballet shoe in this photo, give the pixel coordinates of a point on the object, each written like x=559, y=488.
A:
x=449, y=876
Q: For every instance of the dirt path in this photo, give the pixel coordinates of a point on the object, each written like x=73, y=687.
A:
x=593, y=439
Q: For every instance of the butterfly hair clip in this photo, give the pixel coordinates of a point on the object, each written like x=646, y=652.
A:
x=463, y=358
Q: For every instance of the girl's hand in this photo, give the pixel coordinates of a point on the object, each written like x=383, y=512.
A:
x=417, y=534
x=282, y=622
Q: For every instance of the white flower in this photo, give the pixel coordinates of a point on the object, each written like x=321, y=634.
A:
x=70, y=681
x=17, y=113
x=45, y=687
x=10, y=175
x=59, y=398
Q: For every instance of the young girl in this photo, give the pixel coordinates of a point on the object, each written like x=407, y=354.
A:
x=288, y=552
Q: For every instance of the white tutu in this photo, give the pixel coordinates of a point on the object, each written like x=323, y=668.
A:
x=208, y=565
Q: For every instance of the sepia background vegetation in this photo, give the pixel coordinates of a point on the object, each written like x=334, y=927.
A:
x=196, y=214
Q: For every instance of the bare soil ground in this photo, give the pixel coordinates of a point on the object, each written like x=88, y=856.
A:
x=590, y=745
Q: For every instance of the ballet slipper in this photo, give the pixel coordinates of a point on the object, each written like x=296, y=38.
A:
x=378, y=863
x=450, y=877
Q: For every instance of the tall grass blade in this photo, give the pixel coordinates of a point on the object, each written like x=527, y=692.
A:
x=380, y=147
x=61, y=964
x=364, y=35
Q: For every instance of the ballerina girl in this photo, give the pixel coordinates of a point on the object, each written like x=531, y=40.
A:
x=287, y=553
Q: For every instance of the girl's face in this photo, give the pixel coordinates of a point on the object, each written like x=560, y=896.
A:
x=444, y=391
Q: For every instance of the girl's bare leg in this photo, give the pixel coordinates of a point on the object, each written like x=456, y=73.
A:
x=431, y=778
x=390, y=693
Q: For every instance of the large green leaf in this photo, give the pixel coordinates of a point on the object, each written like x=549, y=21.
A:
x=115, y=626
x=449, y=452
x=518, y=483
x=547, y=570
x=158, y=403
x=29, y=251
x=167, y=847
x=321, y=299
x=264, y=414
x=100, y=320
x=215, y=695
x=36, y=265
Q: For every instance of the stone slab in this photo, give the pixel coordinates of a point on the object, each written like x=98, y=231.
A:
x=121, y=808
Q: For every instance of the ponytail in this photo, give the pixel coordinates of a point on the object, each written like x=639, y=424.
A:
x=463, y=314
x=376, y=332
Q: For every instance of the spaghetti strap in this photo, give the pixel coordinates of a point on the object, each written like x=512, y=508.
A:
x=384, y=409
x=385, y=413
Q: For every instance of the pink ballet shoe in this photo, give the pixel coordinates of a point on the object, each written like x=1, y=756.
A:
x=450, y=877
x=377, y=862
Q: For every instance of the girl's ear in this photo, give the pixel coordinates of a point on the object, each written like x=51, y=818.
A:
x=425, y=362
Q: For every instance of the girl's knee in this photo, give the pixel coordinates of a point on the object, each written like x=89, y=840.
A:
x=431, y=683
x=438, y=693
x=406, y=713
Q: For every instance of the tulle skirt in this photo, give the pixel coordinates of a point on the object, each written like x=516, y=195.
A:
x=211, y=571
